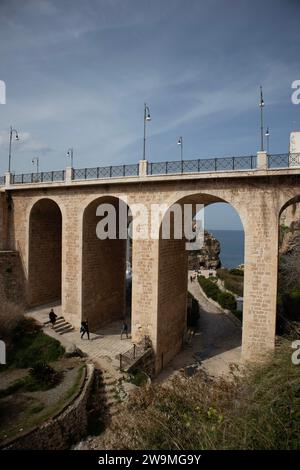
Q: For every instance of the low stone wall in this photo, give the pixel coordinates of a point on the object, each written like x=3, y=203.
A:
x=64, y=429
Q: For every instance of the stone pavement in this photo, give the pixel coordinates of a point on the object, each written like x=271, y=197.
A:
x=103, y=347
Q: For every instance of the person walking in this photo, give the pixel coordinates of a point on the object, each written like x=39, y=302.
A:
x=84, y=329
x=52, y=317
x=124, y=330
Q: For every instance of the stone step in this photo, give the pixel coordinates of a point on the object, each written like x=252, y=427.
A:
x=66, y=326
x=62, y=326
x=67, y=330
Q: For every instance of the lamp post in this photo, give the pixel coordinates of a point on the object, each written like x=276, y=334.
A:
x=180, y=143
x=36, y=161
x=261, y=105
x=267, y=134
x=11, y=133
x=147, y=118
x=70, y=155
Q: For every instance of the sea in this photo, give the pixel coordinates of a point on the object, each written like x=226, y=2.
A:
x=232, y=247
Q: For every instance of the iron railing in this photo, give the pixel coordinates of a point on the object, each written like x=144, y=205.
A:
x=130, y=356
x=203, y=165
x=106, y=172
x=283, y=160
x=44, y=177
x=280, y=160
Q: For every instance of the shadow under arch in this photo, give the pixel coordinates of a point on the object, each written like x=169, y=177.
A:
x=173, y=290
x=293, y=201
x=45, y=253
x=103, y=267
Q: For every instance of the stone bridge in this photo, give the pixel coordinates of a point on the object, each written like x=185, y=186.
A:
x=50, y=219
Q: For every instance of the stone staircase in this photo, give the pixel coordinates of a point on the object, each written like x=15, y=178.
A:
x=109, y=395
x=62, y=326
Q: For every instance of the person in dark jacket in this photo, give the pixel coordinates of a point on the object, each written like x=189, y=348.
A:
x=124, y=330
x=84, y=329
x=52, y=317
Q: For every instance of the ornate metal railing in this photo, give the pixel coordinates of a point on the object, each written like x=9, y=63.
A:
x=203, y=165
x=106, y=172
x=43, y=177
x=280, y=160
x=294, y=160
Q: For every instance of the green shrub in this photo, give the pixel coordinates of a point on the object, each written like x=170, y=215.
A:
x=42, y=376
x=236, y=272
x=227, y=301
x=210, y=288
x=291, y=304
x=30, y=345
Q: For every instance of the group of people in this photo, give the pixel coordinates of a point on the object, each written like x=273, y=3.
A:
x=84, y=328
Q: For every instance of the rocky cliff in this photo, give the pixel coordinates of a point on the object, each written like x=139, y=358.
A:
x=208, y=256
x=289, y=229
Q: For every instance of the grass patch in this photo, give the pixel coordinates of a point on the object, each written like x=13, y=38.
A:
x=29, y=346
x=259, y=410
x=233, y=280
x=28, y=417
x=41, y=377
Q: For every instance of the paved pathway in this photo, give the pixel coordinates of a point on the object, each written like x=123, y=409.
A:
x=103, y=347
x=216, y=344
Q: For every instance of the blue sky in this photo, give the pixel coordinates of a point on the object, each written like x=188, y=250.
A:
x=78, y=72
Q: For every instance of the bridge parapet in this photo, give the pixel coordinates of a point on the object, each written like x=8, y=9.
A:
x=261, y=161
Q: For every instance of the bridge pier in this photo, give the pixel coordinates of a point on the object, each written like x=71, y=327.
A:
x=261, y=273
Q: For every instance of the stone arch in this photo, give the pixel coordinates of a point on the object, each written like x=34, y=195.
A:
x=290, y=202
x=103, y=268
x=173, y=284
x=44, y=252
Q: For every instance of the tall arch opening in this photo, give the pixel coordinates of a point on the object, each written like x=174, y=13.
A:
x=106, y=293
x=45, y=253
x=200, y=333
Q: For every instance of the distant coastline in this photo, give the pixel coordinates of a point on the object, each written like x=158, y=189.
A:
x=232, y=247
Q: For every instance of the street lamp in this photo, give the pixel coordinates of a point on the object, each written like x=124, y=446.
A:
x=11, y=133
x=180, y=142
x=147, y=118
x=267, y=134
x=70, y=155
x=36, y=161
x=261, y=105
